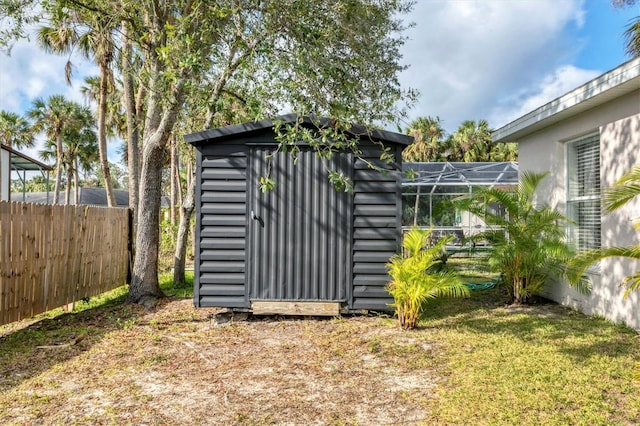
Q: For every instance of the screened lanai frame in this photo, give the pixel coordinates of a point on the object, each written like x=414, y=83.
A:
x=17, y=166
x=430, y=185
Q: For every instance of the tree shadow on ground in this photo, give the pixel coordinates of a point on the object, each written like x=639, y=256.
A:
x=542, y=321
x=34, y=349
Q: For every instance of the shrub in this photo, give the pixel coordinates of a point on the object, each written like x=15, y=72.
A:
x=528, y=246
x=415, y=278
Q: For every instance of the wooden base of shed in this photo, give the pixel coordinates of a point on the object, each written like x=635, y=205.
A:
x=272, y=307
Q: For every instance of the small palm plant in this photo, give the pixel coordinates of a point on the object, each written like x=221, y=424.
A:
x=528, y=247
x=414, y=278
x=616, y=196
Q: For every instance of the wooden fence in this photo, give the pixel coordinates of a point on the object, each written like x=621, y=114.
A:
x=53, y=255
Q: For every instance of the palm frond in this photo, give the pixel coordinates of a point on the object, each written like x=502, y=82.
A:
x=621, y=192
x=579, y=265
x=528, y=184
x=529, y=247
x=632, y=283
x=413, y=278
x=632, y=38
x=414, y=240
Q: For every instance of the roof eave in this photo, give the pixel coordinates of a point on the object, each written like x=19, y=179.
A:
x=38, y=165
x=610, y=85
x=258, y=126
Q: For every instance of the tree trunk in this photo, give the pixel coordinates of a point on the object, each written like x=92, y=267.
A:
x=159, y=124
x=186, y=211
x=102, y=136
x=144, y=282
x=67, y=189
x=59, y=153
x=133, y=133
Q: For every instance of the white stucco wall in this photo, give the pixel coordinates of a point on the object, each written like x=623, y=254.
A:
x=618, y=123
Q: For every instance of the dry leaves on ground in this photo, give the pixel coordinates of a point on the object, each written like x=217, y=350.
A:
x=176, y=365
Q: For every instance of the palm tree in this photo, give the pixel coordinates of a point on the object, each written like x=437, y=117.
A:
x=52, y=117
x=615, y=197
x=527, y=246
x=79, y=151
x=471, y=142
x=80, y=147
x=97, y=43
x=427, y=145
x=114, y=118
x=504, y=152
x=15, y=130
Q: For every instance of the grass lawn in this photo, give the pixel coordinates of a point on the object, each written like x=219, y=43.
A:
x=472, y=361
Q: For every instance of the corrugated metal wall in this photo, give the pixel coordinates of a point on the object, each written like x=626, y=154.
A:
x=299, y=235
x=377, y=230
x=221, y=235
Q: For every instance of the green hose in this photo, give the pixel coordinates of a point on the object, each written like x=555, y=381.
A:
x=480, y=286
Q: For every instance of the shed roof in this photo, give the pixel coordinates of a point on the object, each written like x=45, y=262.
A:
x=236, y=130
x=610, y=85
x=461, y=174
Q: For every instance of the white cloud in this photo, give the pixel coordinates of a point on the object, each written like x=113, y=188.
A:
x=469, y=58
x=30, y=73
x=554, y=85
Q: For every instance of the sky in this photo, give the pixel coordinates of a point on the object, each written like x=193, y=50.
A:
x=469, y=59
x=499, y=59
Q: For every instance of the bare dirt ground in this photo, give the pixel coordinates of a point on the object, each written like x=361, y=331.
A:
x=176, y=365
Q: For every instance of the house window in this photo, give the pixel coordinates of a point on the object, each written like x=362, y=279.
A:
x=583, y=191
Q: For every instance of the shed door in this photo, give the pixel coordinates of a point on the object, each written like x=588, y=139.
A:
x=299, y=244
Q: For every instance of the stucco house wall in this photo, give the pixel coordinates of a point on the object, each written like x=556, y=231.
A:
x=616, y=118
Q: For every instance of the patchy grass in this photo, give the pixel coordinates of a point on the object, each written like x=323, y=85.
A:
x=185, y=292
x=542, y=364
x=472, y=361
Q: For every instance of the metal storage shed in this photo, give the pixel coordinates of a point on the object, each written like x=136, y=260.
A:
x=303, y=247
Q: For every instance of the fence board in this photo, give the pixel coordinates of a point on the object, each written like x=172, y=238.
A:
x=52, y=256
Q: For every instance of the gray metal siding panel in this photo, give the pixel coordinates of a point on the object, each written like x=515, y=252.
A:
x=220, y=290
x=221, y=243
x=223, y=186
x=371, y=292
x=197, y=233
x=225, y=254
x=376, y=229
x=378, y=234
x=372, y=256
x=373, y=303
x=371, y=245
x=229, y=232
x=225, y=278
x=371, y=268
x=300, y=250
x=374, y=222
x=224, y=300
x=222, y=227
